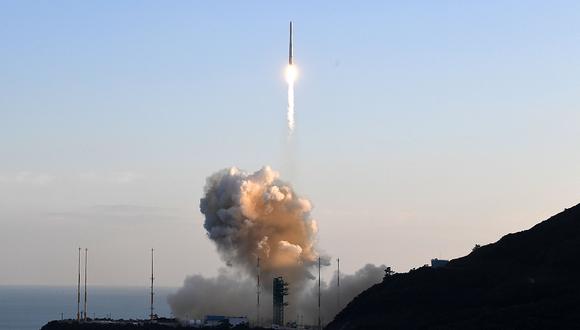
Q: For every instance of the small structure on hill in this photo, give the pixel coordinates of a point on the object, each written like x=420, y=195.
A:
x=436, y=263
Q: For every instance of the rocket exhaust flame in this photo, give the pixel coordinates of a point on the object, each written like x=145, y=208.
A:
x=290, y=78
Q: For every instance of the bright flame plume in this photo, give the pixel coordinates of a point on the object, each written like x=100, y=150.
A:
x=291, y=75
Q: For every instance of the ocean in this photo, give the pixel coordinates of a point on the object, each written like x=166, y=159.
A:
x=30, y=307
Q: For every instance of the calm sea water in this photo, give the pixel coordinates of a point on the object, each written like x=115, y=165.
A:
x=30, y=307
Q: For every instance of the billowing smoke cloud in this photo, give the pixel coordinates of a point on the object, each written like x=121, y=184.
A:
x=334, y=298
x=257, y=215
x=251, y=215
x=225, y=294
x=232, y=294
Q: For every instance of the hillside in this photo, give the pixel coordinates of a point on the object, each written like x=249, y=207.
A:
x=526, y=280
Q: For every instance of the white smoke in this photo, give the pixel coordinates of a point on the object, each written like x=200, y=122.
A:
x=290, y=78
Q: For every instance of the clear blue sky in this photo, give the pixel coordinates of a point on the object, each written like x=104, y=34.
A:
x=423, y=128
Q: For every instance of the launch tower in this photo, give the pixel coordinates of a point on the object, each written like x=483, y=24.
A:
x=280, y=289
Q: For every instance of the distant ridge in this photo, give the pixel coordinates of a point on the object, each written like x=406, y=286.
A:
x=526, y=280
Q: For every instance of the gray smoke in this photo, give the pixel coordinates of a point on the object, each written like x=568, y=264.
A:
x=226, y=294
x=351, y=285
x=230, y=293
x=258, y=215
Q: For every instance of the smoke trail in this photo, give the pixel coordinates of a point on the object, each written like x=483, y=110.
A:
x=290, y=78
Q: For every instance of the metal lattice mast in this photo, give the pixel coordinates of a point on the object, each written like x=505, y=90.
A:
x=79, y=289
x=85, y=307
x=151, y=315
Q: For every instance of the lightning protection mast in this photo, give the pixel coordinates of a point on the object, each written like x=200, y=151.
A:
x=85, y=306
x=79, y=289
x=151, y=315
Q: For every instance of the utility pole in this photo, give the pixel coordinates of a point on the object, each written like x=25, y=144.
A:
x=79, y=290
x=85, y=309
x=151, y=315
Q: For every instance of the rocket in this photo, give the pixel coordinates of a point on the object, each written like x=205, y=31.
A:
x=290, y=50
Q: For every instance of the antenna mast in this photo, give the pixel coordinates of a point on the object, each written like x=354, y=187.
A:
x=79, y=290
x=152, y=315
x=85, y=309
